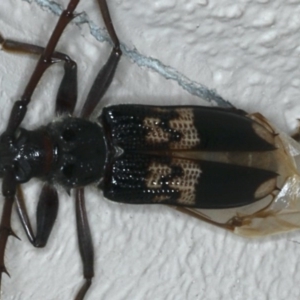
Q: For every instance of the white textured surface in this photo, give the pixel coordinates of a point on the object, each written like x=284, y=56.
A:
x=249, y=52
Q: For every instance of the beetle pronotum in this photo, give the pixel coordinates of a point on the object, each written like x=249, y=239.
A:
x=160, y=292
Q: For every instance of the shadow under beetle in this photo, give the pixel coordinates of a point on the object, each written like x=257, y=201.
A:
x=223, y=166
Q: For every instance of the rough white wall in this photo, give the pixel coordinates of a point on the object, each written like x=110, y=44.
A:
x=248, y=51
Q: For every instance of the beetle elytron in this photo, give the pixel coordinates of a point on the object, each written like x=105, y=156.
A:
x=200, y=160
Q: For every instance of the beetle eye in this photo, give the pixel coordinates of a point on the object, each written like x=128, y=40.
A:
x=68, y=135
x=68, y=170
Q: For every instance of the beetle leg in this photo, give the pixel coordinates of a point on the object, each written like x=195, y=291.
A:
x=198, y=215
x=67, y=93
x=106, y=74
x=20, y=107
x=243, y=219
x=8, y=191
x=108, y=23
x=238, y=220
x=45, y=216
x=85, y=243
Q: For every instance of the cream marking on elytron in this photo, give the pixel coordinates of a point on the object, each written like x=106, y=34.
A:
x=183, y=125
x=185, y=184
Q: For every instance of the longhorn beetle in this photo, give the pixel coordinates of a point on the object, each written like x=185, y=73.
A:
x=223, y=166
